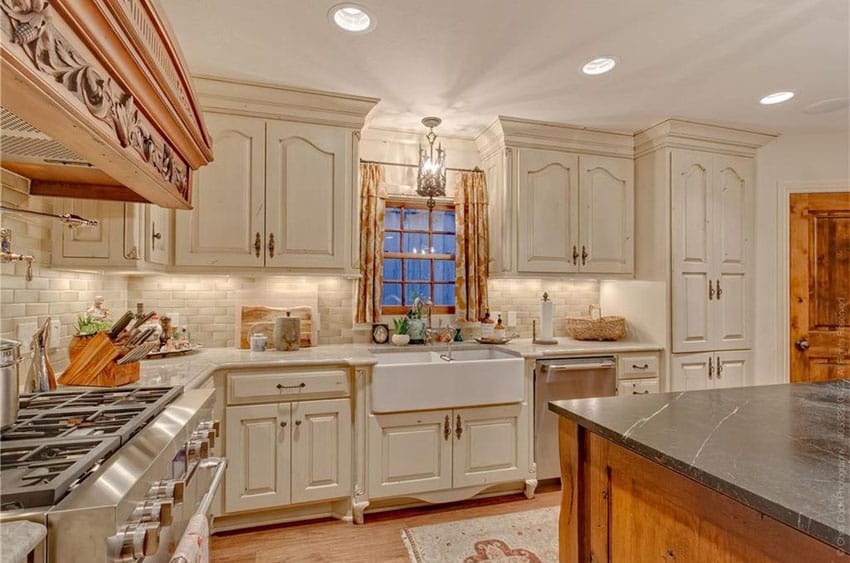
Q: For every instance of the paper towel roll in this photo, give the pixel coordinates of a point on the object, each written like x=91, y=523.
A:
x=545, y=320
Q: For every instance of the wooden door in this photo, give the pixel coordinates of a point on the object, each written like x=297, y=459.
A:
x=306, y=183
x=548, y=207
x=606, y=219
x=693, y=371
x=732, y=239
x=819, y=286
x=157, y=233
x=692, y=250
x=410, y=453
x=228, y=198
x=321, y=450
x=258, y=448
x=490, y=445
x=732, y=369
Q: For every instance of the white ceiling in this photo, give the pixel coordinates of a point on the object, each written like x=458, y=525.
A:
x=471, y=60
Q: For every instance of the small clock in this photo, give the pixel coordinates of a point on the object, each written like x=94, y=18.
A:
x=380, y=333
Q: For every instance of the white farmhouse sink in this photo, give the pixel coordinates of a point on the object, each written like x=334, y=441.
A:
x=411, y=381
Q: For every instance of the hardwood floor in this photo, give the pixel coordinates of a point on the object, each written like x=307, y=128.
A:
x=376, y=541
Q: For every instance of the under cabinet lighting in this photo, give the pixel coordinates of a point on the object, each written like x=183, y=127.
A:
x=776, y=98
x=600, y=65
x=352, y=18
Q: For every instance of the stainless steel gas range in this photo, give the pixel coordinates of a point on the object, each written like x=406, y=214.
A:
x=115, y=475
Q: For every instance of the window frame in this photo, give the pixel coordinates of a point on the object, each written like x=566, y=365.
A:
x=402, y=205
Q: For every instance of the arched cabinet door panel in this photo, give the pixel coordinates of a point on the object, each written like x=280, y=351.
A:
x=606, y=224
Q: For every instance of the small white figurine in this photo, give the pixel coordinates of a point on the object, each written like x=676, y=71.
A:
x=98, y=311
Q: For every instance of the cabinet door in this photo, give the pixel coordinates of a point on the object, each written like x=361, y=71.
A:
x=733, y=227
x=89, y=245
x=732, y=368
x=410, y=453
x=157, y=233
x=258, y=447
x=691, y=252
x=306, y=183
x=496, y=168
x=691, y=371
x=490, y=445
x=321, y=450
x=606, y=221
x=228, y=198
x=548, y=199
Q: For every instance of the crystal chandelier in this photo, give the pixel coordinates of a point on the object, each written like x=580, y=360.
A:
x=431, y=180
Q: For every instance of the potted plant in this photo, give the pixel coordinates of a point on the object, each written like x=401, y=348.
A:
x=400, y=338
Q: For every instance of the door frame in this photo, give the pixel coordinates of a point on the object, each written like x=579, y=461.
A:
x=783, y=254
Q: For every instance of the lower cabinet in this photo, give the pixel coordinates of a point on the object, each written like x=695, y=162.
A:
x=286, y=453
x=637, y=386
x=420, y=452
x=711, y=370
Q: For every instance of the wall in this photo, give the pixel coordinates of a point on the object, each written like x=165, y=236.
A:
x=570, y=298
x=789, y=159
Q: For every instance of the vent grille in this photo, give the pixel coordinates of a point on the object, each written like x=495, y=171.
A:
x=21, y=142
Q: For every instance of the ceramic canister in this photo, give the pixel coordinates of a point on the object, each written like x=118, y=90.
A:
x=287, y=333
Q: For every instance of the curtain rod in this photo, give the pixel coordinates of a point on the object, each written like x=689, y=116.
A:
x=384, y=163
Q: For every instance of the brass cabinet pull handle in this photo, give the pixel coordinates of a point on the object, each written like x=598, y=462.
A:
x=719, y=291
x=458, y=428
x=575, y=255
x=710, y=290
x=283, y=424
x=644, y=366
x=155, y=236
x=297, y=423
x=299, y=386
x=447, y=428
x=271, y=245
x=258, y=245
x=584, y=256
x=719, y=368
x=710, y=368
x=644, y=392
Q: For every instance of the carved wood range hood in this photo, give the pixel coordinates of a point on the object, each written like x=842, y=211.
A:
x=97, y=102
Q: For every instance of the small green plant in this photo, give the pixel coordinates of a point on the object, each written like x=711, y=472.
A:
x=87, y=326
x=400, y=325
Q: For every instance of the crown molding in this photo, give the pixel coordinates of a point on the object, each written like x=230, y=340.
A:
x=276, y=101
x=713, y=137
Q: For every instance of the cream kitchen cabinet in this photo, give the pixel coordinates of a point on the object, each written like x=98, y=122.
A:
x=711, y=370
x=575, y=213
x=275, y=196
x=413, y=454
x=712, y=225
x=287, y=453
x=129, y=236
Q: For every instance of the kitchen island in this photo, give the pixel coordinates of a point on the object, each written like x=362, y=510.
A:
x=745, y=474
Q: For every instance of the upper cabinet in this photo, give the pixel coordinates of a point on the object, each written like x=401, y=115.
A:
x=561, y=198
x=103, y=87
x=284, y=180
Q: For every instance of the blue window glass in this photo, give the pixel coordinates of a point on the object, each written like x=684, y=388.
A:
x=416, y=243
x=417, y=270
x=413, y=290
x=415, y=219
x=443, y=244
x=392, y=242
x=444, y=270
x=391, y=295
x=392, y=218
x=444, y=294
x=444, y=221
x=392, y=269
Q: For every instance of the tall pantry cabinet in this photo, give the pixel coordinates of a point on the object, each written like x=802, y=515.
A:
x=694, y=231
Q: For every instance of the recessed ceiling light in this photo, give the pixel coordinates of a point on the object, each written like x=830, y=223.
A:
x=599, y=65
x=776, y=98
x=351, y=17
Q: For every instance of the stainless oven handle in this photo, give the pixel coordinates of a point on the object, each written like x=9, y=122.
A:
x=220, y=464
x=581, y=367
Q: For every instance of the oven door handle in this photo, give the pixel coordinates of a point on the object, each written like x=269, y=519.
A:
x=220, y=464
x=581, y=366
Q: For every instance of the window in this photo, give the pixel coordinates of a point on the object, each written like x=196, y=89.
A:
x=419, y=257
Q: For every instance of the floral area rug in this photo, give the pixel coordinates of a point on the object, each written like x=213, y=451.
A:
x=520, y=537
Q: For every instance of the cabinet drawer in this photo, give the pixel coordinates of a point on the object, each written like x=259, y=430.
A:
x=645, y=365
x=637, y=386
x=269, y=386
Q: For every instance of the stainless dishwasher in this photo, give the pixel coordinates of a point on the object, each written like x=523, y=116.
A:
x=559, y=379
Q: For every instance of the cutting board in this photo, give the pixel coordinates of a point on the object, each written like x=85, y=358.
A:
x=258, y=319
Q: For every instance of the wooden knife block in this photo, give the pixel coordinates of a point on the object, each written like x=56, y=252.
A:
x=92, y=364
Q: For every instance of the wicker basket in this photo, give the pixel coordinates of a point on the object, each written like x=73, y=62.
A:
x=605, y=328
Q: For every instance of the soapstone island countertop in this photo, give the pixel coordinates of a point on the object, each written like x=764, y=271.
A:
x=195, y=368
x=783, y=450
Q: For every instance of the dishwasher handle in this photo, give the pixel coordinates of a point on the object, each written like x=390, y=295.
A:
x=581, y=366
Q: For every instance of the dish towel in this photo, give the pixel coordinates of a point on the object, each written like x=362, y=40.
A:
x=194, y=546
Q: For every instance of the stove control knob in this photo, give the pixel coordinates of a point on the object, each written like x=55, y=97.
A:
x=133, y=542
x=198, y=449
x=155, y=511
x=207, y=434
x=213, y=425
x=167, y=489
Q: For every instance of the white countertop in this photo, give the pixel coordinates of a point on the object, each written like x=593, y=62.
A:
x=195, y=368
x=18, y=539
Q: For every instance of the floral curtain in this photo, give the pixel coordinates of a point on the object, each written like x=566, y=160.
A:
x=473, y=246
x=371, y=243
